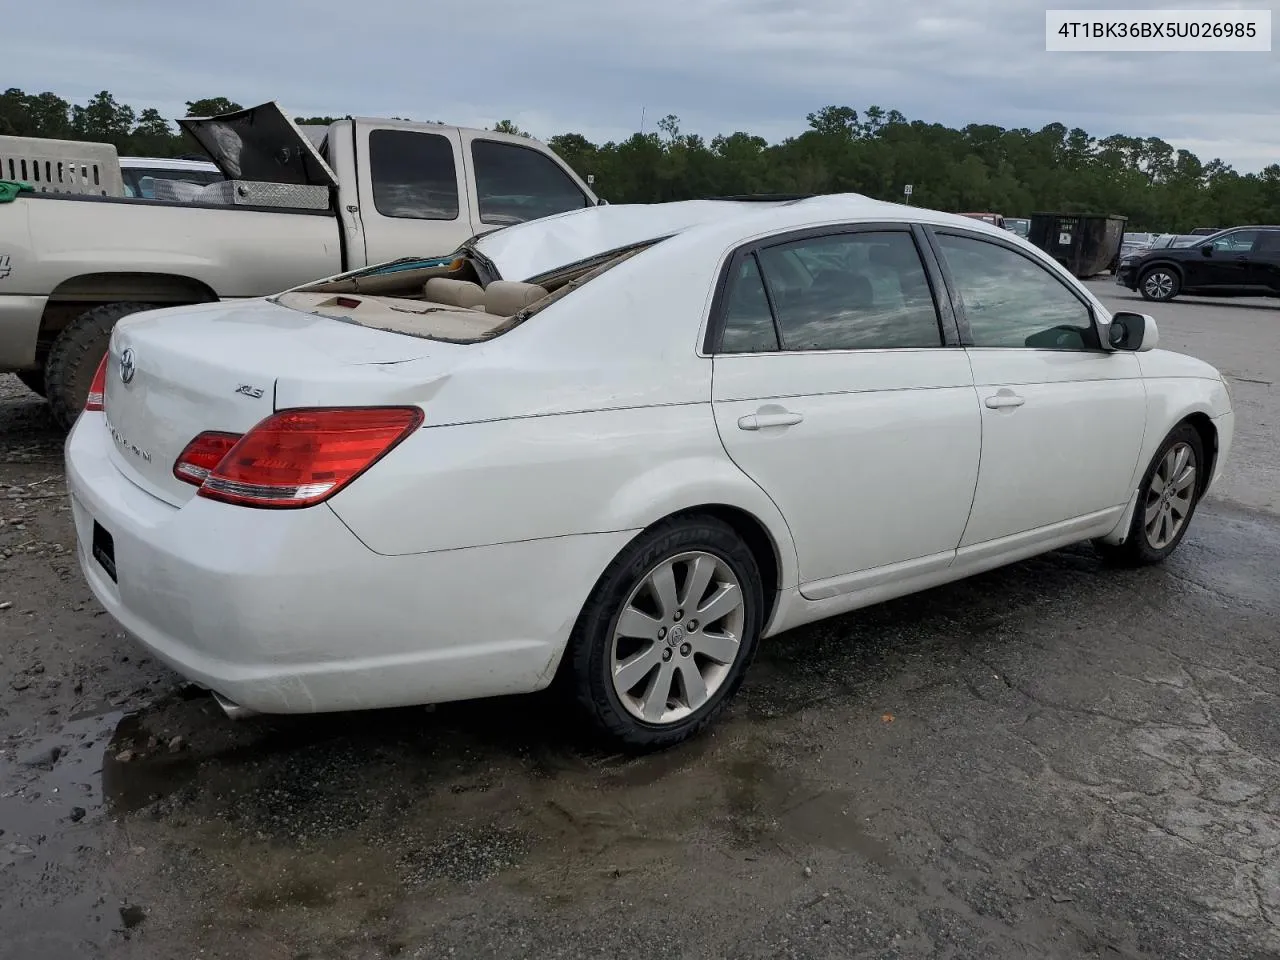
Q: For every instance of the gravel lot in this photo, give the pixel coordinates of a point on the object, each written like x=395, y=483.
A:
x=1050, y=760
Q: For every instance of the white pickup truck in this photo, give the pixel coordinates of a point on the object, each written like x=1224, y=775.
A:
x=296, y=204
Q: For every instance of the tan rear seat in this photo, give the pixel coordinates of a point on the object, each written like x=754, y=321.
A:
x=455, y=293
x=506, y=298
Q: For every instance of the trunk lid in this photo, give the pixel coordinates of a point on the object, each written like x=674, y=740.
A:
x=175, y=373
x=260, y=144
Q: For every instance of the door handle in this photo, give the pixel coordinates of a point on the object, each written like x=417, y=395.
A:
x=1003, y=400
x=756, y=421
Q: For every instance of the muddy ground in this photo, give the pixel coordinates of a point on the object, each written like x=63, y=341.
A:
x=1052, y=760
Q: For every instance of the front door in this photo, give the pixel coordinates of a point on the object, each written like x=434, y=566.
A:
x=1062, y=419
x=833, y=390
x=1226, y=263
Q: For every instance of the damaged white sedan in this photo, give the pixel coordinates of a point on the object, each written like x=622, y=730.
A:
x=617, y=447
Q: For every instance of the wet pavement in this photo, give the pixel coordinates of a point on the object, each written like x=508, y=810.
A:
x=1050, y=760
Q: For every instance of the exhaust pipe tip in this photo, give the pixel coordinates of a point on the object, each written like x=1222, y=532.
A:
x=231, y=708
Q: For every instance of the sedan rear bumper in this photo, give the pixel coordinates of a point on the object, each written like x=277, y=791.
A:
x=286, y=611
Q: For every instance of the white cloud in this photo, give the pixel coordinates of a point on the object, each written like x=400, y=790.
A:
x=591, y=67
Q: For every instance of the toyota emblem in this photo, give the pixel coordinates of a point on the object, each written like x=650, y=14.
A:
x=127, y=367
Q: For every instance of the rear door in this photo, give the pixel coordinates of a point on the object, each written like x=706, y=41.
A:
x=1265, y=272
x=1062, y=419
x=513, y=182
x=839, y=386
x=413, y=196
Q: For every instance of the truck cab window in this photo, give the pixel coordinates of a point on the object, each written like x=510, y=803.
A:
x=414, y=175
x=515, y=183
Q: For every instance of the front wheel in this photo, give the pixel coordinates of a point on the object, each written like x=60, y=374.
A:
x=1167, y=500
x=1159, y=284
x=662, y=644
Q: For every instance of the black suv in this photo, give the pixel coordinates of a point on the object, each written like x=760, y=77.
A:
x=1237, y=262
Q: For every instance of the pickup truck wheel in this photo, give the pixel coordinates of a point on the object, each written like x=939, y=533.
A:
x=33, y=380
x=75, y=355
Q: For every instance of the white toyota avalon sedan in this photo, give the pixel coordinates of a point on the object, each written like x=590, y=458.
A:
x=616, y=448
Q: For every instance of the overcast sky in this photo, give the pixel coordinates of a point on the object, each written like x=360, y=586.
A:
x=593, y=66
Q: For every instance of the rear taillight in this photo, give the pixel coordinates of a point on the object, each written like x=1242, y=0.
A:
x=297, y=458
x=97, y=387
x=202, y=454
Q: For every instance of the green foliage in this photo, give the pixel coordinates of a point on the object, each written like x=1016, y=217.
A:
x=875, y=152
x=211, y=107
x=978, y=168
x=506, y=126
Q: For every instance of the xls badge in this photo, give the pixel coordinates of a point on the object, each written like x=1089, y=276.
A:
x=6, y=265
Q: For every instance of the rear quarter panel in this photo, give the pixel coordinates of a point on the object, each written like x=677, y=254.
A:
x=553, y=476
x=235, y=252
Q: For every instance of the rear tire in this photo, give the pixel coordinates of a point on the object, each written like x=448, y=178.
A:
x=661, y=675
x=75, y=355
x=1167, y=501
x=33, y=380
x=1159, y=284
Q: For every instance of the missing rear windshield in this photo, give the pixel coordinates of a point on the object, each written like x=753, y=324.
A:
x=452, y=299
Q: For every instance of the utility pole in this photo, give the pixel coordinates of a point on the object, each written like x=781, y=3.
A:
x=642, y=121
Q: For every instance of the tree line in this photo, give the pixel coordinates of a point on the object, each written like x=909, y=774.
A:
x=876, y=152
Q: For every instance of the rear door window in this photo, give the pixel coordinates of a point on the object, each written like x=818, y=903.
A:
x=858, y=291
x=748, y=323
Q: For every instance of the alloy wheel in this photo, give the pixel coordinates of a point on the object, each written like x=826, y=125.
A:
x=1159, y=285
x=1170, y=496
x=677, y=638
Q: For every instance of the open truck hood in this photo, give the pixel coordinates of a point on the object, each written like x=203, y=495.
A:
x=260, y=144
x=528, y=249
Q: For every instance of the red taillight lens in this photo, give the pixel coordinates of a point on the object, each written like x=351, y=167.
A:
x=202, y=454
x=297, y=458
x=98, y=387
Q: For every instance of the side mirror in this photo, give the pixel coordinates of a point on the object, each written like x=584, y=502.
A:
x=1206, y=250
x=1134, y=332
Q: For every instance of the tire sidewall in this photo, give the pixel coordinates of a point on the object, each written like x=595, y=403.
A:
x=592, y=660
x=74, y=357
x=1183, y=433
